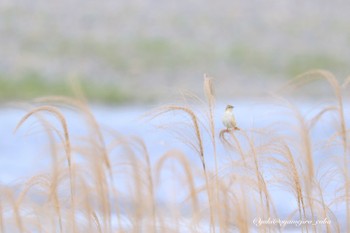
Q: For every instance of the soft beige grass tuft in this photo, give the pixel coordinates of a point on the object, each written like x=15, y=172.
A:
x=108, y=182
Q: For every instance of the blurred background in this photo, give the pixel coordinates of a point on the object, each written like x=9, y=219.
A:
x=147, y=50
x=130, y=54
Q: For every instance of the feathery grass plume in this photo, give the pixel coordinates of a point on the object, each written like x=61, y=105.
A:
x=210, y=94
x=261, y=180
x=56, y=112
x=222, y=205
x=138, y=160
x=242, y=213
x=337, y=91
x=314, y=75
x=116, y=180
x=195, y=123
x=96, y=138
x=39, y=187
x=229, y=145
x=137, y=144
x=82, y=103
x=199, y=148
x=305, y=146
x=183, y=161
x=251, y=157
x=16, y=212
x=323, y=208
x=51, y=131
x=78, y=104
x=144, y=151
x=286, y=165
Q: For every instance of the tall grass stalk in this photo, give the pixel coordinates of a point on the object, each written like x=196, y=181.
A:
x=109, y=182
x=56, y=112
x=337, y=91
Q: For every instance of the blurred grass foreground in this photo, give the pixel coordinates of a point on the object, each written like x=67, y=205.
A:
x=105, y=181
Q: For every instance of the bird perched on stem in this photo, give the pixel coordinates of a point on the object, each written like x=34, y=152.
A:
x=229, y=119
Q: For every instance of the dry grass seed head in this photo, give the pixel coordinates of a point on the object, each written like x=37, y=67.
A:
x=184, y=163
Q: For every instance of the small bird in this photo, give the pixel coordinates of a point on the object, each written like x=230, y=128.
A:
x=229, y=119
